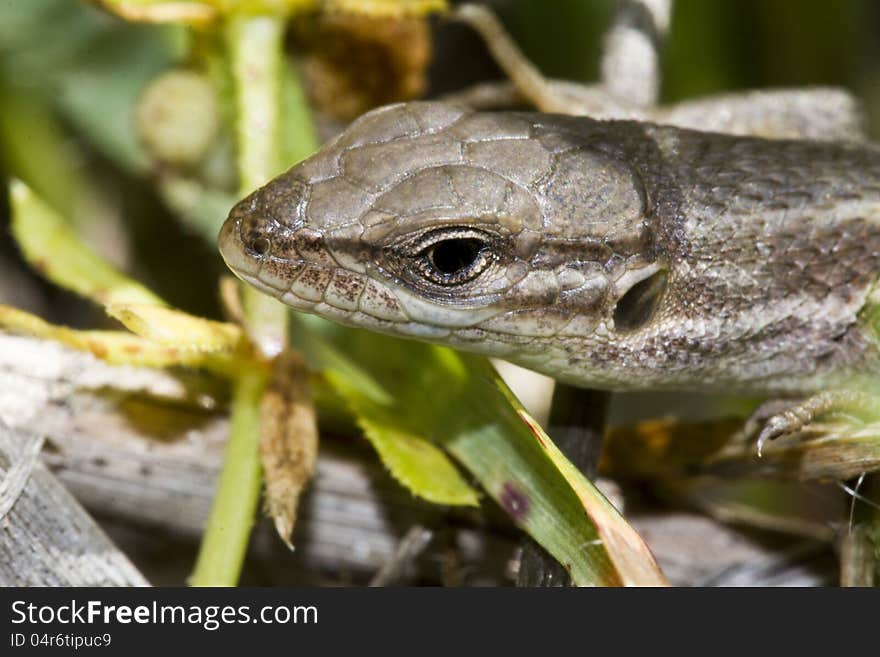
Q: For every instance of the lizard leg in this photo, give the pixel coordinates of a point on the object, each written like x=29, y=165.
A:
x=571, y=97
x=527, y=79
x=630, y=62
x=826, y=114
x=850, y=403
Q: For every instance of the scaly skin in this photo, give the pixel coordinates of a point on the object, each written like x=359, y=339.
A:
x=610, y=254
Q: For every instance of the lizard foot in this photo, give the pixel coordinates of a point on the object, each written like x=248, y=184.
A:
x=859, y=406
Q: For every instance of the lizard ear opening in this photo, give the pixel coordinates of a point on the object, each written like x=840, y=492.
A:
x=636, y=308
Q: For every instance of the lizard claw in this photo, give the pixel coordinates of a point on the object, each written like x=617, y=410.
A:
x=777, y=426
x=854, y=404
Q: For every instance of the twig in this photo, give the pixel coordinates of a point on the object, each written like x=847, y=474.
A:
x=23, y=457
x=411, y=546
x=46, y=538
x=527, y=79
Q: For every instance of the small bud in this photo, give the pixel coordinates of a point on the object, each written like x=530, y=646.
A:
x=177, y=117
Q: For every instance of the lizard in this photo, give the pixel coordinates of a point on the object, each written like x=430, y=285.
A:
x=611, y=254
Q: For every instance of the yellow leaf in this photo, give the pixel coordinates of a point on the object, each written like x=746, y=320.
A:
x=393, y=8
x=170, y=327
x=160, y=11
x=115, y=347
x=52, y=248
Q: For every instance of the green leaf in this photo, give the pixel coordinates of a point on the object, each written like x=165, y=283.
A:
x=416, y=463
x=632, y=558
x=458, y=403
x=32, y=148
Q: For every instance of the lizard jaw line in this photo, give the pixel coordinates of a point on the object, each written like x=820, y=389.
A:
x=357, y=318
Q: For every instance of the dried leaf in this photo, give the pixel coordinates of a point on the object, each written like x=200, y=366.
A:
x=653, y=449
x=288, y=439
x=352, y=63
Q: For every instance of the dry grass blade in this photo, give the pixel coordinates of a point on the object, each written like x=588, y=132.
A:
x=176, y=328
x=117, y=347
x=857, y=558
x=395, y=8
x=160, y=11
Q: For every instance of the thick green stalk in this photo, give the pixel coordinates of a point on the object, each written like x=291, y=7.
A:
x=256, y=58
x=255, y=46
x=238, y=490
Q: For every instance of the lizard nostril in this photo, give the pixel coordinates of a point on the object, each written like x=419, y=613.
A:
x=255, y=232
x=638, y=305
x=260, y=246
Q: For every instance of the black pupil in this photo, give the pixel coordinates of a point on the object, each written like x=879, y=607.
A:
x=453, y=256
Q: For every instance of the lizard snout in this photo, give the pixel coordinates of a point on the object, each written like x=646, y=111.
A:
x=232, y=248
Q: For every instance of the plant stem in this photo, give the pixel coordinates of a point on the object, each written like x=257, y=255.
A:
x=238, y=490
x=255, y=46
x=256, y=57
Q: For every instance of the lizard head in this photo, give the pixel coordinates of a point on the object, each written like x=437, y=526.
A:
x=494, y=232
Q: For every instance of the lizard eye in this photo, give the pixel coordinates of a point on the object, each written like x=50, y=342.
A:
x=450, y=257
x=456, y=259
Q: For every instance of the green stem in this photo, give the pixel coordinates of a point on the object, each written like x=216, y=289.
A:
x=255, y=47
x=238, y=491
